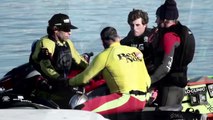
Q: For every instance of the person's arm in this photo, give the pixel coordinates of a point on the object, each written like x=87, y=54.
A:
x=44, y=63
x=48, y=69
x=91, y=71
x=170, y=42
x=76, y=56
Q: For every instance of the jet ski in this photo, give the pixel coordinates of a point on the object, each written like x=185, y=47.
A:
x=199, y=95
x=26, y=81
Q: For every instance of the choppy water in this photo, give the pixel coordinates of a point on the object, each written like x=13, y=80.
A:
x=23, y=21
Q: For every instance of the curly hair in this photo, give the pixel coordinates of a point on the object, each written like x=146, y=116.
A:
x=135, y=14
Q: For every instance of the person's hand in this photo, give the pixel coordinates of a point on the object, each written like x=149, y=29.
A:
x=62, y=81
x=43, y=85
x=153, y=93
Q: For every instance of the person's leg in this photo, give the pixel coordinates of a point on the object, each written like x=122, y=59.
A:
x=100, y=91
x=115, y=103
x=172, y=96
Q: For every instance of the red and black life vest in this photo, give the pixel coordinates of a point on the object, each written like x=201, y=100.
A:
x=183, y=55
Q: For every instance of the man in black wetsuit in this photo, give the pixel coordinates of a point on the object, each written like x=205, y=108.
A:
x=139, y=35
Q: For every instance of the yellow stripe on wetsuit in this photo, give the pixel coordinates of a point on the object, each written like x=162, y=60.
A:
x=118, y=102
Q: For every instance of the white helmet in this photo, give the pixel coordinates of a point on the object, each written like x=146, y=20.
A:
x=77, y=99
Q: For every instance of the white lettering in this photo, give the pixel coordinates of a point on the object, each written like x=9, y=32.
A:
x=195, y=90
x=169, y=63
x=66, y=20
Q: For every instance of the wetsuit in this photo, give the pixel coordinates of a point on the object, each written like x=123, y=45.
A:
x=126, y=76
x=144, y=44
x=54, y=68
x=171, y=76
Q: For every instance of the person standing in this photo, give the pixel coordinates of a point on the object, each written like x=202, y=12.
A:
x=139, y=35
x=177, y=46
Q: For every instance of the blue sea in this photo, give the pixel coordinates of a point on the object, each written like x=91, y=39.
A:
x=23, y=21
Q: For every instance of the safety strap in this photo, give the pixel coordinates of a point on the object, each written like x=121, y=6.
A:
x=137, y=92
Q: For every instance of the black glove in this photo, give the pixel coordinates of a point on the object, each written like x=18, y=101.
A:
x=62, y=81
x=43, y=85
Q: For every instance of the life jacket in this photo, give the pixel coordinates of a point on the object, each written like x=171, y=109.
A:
x=155, y=52
x=185, y=52
x=142, y=43
x=183, y=55
x=62, y=58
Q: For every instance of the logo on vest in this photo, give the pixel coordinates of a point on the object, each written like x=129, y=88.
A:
x=129, y=57
x=139, y=46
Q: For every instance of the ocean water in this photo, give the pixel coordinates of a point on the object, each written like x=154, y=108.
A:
x=23, y=21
